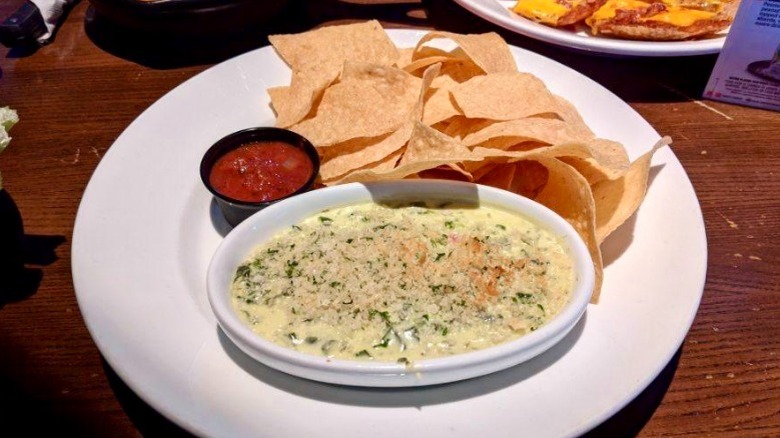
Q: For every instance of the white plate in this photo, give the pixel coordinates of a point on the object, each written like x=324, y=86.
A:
x=498, y=12
x=144, y=236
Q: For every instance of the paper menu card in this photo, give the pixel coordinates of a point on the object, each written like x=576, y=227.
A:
x=747, y=71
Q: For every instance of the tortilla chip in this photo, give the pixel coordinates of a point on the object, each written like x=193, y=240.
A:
x=404, y=57
x=419, y=53
x=427, y=149
x=428, y=77
x=460, y=127
x=386, y=164
x=439, y=107
x=451, y=172
x=430, y=145
x=421, y=63
x=316, y=58
x=549, y=131
x=568, y=194
x=361, y=152
x=371, y=101
x=292, y=104
x=499, y=176
x=505, y=96
x=353, y=154
x=530, y=177
x=569, y=114
x=457, y=71
x=511, y=144
x=596, y=159
x=616, y=200
x=488, y=50
x=527, y=179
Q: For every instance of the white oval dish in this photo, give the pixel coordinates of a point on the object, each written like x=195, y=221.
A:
x=261, y=226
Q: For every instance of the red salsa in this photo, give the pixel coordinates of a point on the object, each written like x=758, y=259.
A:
x=261, y=171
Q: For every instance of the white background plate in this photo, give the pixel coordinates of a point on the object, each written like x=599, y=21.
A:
x=497, y=12
x=146, y=230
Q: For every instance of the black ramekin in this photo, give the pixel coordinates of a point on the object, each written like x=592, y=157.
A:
x=235, y=210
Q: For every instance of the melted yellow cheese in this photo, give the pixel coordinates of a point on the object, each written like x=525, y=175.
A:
x=544, y=11
x=680, y=17
x=674, y=15
x=610, y=8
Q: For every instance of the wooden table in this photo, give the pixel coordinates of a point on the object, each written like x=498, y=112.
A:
x=76, y=95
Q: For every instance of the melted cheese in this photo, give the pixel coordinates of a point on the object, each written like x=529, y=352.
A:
x=609, y=9
x=681, y=17
x=543, y=11
x=675, y=15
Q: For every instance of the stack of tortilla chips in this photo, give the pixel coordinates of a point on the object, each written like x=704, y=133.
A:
x=377, y=112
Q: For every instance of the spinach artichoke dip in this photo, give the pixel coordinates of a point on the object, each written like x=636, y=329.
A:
x=403, y=282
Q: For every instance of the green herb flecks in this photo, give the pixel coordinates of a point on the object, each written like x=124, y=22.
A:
x=328, y=346
x=439, y=241
x=243, y=271
x=385, y=315
x=289, y=269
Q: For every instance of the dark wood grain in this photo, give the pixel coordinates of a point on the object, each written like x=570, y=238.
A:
x=76, y=95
